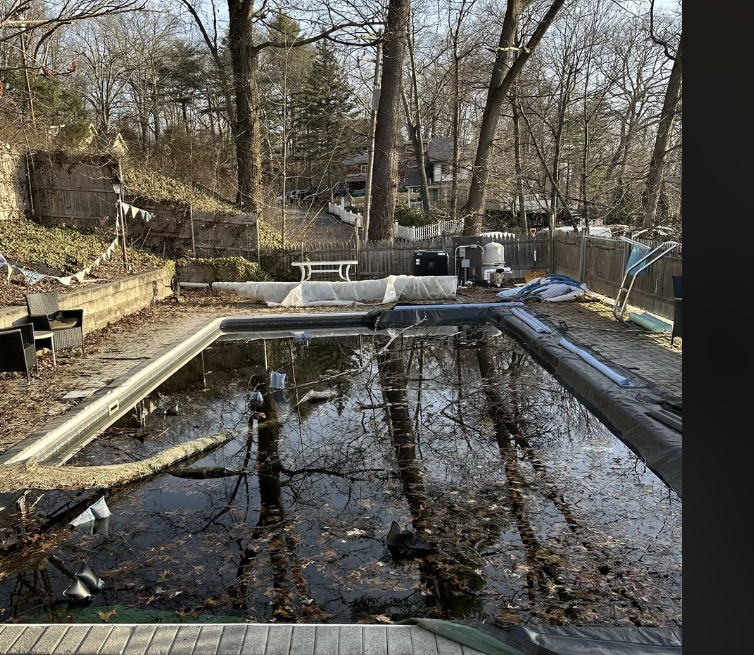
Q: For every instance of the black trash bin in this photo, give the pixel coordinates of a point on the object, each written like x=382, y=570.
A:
x=430, y=262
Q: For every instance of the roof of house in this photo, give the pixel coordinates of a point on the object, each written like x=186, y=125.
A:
x=440, y=149
x=412, y=177
x=357, y=159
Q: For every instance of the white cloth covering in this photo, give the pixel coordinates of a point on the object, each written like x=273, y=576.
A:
x=307, y=294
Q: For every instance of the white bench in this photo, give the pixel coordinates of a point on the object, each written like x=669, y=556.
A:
x=339, y=266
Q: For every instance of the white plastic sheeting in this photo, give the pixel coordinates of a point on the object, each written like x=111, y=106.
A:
x=307, y=294
x=620, y=380
x=98, y=510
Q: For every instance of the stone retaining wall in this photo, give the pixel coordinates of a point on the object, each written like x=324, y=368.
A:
x=105, y=303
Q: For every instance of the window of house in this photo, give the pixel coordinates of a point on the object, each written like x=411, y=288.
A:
x=364, y=168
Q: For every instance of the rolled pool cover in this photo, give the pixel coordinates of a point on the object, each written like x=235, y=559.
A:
x=534, y=323
x=650, y=322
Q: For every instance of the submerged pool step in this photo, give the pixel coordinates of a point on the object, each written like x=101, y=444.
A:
x=225, y=639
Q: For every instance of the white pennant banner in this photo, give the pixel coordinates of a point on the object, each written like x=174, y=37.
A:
x=32, y=277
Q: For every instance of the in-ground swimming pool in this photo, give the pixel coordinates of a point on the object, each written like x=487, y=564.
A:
x=531, y=509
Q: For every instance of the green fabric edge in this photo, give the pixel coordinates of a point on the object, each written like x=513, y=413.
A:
x=464, y=634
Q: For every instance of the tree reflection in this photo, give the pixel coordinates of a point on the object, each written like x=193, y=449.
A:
x=448, y=580
x=543, y=574
x=289, y=584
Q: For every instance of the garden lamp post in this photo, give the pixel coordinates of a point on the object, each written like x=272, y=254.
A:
x=120, y=218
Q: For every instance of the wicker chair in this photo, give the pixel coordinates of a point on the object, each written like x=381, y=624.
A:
x=17, y=349
x=68, y=324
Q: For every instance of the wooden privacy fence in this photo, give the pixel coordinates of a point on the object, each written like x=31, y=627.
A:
x=72, y=190
x=207, y=234
x=378, y=259
x=601, y=263
x=597, y=261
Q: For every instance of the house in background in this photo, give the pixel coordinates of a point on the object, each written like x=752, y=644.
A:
x=356, y=171
x=438, y=164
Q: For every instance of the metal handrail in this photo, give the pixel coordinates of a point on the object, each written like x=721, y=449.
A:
x=665, y=247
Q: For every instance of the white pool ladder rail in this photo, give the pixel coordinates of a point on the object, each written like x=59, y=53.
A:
x=621, y=301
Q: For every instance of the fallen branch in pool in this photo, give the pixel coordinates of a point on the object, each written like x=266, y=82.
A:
x=30, y=475
x=206, y=472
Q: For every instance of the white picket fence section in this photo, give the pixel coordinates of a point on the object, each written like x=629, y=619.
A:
x=399, y=231
x=427, y=231
x=341, y=212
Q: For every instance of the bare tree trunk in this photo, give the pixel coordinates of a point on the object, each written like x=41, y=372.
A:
x=522, y=222
x=285, y=151
x=144, y=125
x=503, y=76
x=490, y=118
x=456, y=130
x=585, y=173
x=585, y=154
x=416, y=132
x=245, y=59
x=184, y=114
x=385, y=173
x=155, y=109
x=657, y=164
x=558, y=146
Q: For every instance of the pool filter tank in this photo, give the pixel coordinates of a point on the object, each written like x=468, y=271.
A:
x=493, y=260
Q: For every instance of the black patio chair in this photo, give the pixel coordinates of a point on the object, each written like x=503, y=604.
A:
x=67, y=324
x=677, y=308
x=17, y=349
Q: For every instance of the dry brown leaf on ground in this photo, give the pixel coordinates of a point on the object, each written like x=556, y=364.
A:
x=105, y=616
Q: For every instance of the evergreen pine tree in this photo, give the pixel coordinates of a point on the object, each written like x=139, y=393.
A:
x=326, y=119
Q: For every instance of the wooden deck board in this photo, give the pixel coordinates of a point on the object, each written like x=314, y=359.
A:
x=228, y=639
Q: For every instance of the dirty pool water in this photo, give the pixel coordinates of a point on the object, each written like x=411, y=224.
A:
x=532, y=511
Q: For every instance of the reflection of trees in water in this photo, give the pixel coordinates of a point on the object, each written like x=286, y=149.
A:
x=542, y=563
x=449, y=579
x=460, y=416
x=544, y=575
x=291, y=598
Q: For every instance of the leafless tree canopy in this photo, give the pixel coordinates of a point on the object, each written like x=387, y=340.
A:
x=515, y=113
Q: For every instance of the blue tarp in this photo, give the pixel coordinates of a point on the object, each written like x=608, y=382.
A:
x=548, y=287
